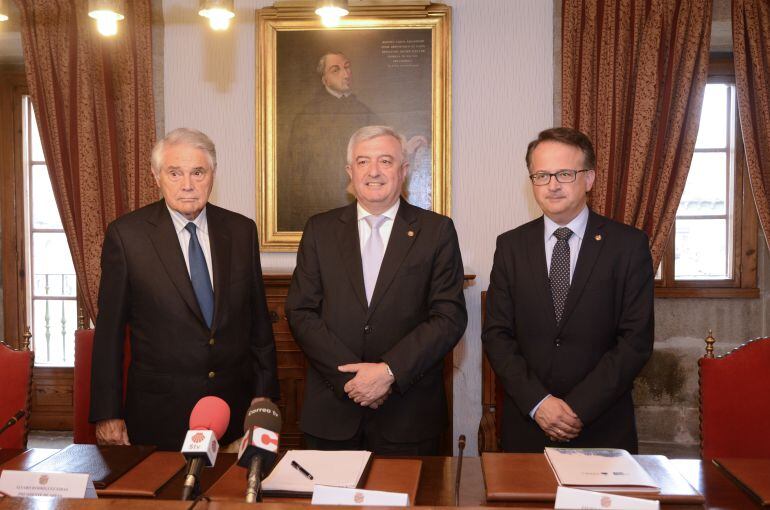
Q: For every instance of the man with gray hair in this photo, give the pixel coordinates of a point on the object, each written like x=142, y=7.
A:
x=184, y=278
x=376, y=302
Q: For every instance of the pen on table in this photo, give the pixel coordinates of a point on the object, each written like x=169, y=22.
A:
x=301, y=469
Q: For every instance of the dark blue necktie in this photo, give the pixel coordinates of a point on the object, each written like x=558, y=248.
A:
x=199, y=275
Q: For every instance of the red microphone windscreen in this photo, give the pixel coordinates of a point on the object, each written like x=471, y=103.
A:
x=210, y=413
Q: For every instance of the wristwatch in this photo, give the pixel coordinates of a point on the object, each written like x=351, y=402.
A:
x=390, y=372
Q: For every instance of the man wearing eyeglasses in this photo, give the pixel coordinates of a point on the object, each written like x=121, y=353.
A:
x=569, y=311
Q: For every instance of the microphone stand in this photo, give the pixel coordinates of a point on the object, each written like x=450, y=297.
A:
x=254, y=480
x=191, y=486
x=461, y=449
x=13, y=420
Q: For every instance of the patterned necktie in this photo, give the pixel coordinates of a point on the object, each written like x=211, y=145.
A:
x=559, y=273
x=371, y=258
x=199, y=275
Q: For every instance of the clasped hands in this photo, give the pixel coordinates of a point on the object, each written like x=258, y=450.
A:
x=558, y=420
x=371, y=384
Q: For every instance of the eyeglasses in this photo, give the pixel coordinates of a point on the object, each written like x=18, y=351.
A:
x=563, y=176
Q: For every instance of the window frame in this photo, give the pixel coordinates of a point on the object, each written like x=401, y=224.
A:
x=743, y=283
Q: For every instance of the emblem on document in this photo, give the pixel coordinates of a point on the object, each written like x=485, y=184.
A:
x=358, y=498
x=43, y=479
x=606, y=501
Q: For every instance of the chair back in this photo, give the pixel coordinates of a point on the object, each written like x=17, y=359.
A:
x=492, y=398
x=735, y=401
x=84, y=432
x=16, y=384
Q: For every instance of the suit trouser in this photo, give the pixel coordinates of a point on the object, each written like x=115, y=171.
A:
x=369, y=437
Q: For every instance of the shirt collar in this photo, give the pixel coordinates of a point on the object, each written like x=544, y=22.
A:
x=338, y=95
x=180, y=221
x=577, y=225
x=390, y=213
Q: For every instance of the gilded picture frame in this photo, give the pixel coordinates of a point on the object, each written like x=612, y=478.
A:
x=399, y=58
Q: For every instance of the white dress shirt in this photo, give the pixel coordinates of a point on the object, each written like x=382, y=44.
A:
x=578, y=227
x=202, y=230
x=364, y=230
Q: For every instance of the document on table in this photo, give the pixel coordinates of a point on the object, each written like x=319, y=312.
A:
x=599, y=469
x=333, y=468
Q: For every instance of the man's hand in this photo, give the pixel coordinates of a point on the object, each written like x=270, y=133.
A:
x=558, y=420
x=381, y=400
x=370, y=385
x=111, y=432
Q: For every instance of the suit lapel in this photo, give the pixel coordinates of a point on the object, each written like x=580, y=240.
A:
x=542, y=288
x=350, y=250
x=590, y=248
x=219, y=239
x=166, y=242
x=398, y=246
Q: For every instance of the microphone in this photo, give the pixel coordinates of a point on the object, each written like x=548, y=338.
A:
x=262, y=427
x=460, y=449
x=21, y=413
x=208, y=422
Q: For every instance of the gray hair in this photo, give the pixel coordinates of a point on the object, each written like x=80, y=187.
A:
x=369, y=132
x=183, y=136
x=321, y=67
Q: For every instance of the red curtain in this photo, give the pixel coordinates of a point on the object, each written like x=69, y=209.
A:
x=633, y=75
x=93, y=101
x=751, y=47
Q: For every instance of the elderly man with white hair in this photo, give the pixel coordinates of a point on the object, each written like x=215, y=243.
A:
x=184, y=278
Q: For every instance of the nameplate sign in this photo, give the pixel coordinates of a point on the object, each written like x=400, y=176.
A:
x=29, y=483
x=578, y=499
x=326, y=495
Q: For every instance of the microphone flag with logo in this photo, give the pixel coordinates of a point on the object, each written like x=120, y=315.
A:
x=208, y=422
x=259, y=446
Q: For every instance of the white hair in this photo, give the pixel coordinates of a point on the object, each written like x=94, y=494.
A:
x=183, y=136
x=369, y=132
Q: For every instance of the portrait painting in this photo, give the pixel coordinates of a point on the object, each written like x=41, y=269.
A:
x=320, y=86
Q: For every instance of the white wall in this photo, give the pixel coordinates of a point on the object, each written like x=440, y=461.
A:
x=502, y=86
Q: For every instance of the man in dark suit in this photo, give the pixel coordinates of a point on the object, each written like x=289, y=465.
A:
x=569, y=312
x=185, y=277
x=376, y=302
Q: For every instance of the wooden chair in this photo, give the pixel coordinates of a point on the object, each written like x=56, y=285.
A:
x=83, y=431
x=735, y=400
x=492, y=397
x=16, y=381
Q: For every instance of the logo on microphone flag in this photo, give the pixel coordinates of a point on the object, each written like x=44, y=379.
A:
x=265, y=439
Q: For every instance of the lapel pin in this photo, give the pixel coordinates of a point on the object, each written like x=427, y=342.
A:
x=598, y=237
x=410, y=233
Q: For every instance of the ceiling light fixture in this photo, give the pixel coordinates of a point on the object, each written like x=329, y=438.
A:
x=331, y=11
x=3, y=12
x=107, y=13
x=219, y=13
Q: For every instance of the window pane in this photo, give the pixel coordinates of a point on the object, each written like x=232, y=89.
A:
x=706, y=190
x=53, y=271
x=701, y=250
x=712, y=130
x=37, y=147
x=44, y=211
x=55, y=322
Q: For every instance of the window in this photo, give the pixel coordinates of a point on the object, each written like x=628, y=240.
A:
x=50, y=274
x=712, y=249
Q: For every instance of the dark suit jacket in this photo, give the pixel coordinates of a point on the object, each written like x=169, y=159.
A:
x=417, y=315
x=175, y=358
x=591, y=359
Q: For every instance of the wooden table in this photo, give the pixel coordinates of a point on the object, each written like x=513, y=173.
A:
x=436, y=489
